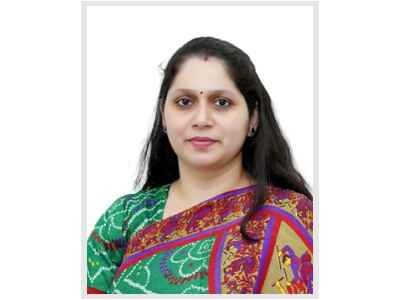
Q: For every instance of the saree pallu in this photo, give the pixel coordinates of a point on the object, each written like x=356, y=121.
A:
x=133, y=250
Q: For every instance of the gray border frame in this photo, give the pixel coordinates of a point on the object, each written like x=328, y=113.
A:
x=84, y=6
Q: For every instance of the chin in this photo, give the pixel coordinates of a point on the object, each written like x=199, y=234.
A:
x=203, y=162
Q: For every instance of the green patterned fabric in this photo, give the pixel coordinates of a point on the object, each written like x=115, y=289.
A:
x=106, y=244
x=182, y=262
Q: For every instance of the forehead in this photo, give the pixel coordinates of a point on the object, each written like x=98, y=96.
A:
x=205, y=75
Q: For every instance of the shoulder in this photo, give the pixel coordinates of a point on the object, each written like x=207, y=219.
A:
x=291, y=204
x=139, y=198
x=143, y=207
x=128, y=206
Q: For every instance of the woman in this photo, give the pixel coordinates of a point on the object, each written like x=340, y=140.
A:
x=222, y=208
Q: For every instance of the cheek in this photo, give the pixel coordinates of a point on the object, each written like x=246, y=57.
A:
x=235, y=134
x=175, y=122
x=236, y=126
x=177, y=129
x=177, y=134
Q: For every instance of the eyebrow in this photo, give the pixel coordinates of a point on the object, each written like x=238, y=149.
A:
x=206, y=92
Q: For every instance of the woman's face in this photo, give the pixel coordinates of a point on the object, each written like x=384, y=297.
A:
x=204, y=102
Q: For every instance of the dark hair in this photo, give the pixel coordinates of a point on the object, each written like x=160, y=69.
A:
x=266, y=156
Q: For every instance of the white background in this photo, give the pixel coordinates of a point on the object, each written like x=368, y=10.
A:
x=40, y=167
x=123, y=79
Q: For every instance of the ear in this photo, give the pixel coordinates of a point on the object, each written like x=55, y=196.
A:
x=254, y=119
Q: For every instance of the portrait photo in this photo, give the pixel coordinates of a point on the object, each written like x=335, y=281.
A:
x=199, y=148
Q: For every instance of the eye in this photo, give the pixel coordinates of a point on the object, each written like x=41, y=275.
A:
x=183, y=102
x=223, y=102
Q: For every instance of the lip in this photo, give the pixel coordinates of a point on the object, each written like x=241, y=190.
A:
x=201, y=142
x=201, y=139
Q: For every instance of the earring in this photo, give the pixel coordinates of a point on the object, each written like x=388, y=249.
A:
x=164, y=129
x=252, y=132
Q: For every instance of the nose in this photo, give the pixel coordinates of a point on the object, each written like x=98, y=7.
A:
x=202, y=115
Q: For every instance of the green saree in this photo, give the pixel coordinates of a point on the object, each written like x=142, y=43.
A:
x=133, y=250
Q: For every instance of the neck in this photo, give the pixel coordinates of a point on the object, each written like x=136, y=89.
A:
x=196, y=185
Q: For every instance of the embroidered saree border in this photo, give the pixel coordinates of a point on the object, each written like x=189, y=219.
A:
x=214, y=276
x=266, y=252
